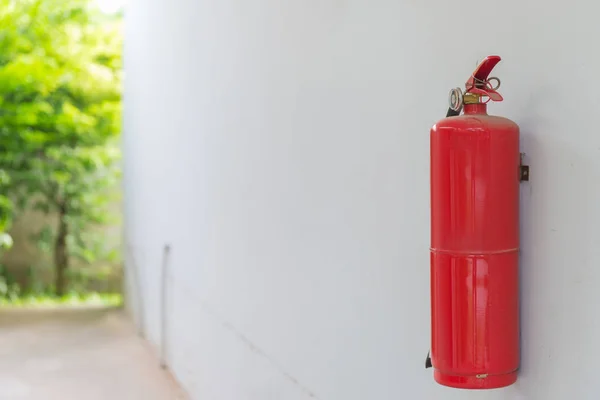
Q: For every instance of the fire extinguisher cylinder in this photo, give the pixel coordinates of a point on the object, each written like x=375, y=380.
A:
x=474, y=251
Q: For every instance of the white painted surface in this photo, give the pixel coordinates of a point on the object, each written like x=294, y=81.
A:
x=281, y=148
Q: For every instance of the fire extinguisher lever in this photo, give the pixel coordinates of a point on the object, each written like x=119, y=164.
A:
x=480, y=84
x=484, y=69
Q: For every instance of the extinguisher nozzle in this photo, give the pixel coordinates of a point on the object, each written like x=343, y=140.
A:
x=428, y=361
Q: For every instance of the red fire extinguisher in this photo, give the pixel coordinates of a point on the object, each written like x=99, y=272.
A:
x=475, y=173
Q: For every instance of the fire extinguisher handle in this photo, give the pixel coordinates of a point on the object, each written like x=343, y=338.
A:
x=480, y=84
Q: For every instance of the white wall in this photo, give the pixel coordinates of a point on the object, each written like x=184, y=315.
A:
x=281, y=148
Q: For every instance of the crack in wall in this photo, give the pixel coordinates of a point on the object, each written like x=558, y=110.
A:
x=257, y=350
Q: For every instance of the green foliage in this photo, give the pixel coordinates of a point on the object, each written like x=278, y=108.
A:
x=6, y=210
x=70, y=299
x=60, y=111
x=9, y=289
x=36, y=284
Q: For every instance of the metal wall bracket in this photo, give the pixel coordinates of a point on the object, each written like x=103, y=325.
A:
x=523, y=170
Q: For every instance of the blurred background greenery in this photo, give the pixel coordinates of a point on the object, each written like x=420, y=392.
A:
x=60, y=116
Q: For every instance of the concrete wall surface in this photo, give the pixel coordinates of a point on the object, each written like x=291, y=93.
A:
x=281, y=148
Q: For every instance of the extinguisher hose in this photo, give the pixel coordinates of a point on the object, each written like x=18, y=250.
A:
x=452, y=113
